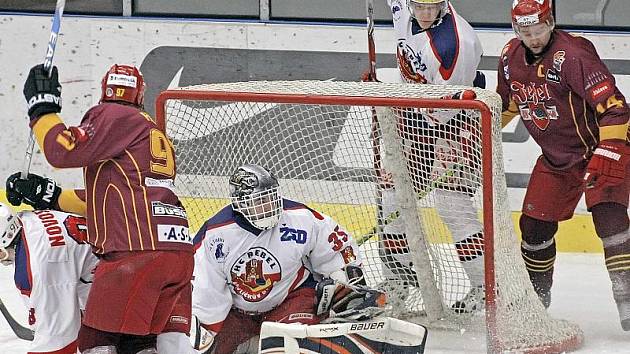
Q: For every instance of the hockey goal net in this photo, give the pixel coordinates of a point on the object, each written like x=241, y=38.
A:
x=403, y=184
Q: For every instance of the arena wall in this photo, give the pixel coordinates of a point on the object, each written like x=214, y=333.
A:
x=176, y=52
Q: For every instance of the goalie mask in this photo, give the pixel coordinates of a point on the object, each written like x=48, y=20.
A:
x=254, y=194
x=123, y=83
x=428, y=13
x=10, y=227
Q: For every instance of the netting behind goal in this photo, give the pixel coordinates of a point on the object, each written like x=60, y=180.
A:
x=406, y=171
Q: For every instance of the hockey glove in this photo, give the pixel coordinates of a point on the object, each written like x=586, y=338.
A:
x=43, y=94
x=200, y=338
x=346, y=297
x=340, y=303
x=36, y=191
x=608, y=163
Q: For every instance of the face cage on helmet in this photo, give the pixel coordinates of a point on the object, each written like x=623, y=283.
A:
x=261, y=209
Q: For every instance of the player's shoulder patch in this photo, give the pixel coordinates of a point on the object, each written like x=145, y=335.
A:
x=396, y=7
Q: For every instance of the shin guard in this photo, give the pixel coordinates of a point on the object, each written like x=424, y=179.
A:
x=538, y=249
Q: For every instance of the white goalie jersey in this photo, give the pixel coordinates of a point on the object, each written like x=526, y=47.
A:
x=253, y=271
x=53, y=271
x=447, y=54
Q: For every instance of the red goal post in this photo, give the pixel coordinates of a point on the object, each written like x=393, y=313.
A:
x=296, y=128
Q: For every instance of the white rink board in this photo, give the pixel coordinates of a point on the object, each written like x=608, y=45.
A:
x=89, y=45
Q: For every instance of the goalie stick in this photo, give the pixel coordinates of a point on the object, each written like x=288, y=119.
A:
x=48, y=61
x=19, y=330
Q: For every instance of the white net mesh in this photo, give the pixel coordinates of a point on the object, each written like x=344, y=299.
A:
x=409, y=188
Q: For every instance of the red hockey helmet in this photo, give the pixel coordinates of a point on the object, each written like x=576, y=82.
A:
x=123, y=83
x=531, y=12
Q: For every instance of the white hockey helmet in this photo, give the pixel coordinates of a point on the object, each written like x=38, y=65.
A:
x=10, y=227
x=416, y=4
x=254, y=194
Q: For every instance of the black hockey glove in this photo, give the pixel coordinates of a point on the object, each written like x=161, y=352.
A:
x=36, y=191
x=43, y=94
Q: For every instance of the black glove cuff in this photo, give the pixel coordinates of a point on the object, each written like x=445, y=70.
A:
x=41, y=109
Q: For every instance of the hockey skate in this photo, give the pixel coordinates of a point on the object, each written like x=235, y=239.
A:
x=545, y=297
x=473, y=301
x=624, y=315
x=621, y=294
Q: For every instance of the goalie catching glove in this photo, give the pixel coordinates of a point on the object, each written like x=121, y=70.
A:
x=200, y=337
x=350, y=300
x=37, y=191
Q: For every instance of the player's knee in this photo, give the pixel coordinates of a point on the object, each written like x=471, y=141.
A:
x=535, y=231
x=101, y=350
x=94, y=341
x=610, y=219
x=133, y=344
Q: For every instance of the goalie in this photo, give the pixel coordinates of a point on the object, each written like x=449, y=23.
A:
x=267, y=259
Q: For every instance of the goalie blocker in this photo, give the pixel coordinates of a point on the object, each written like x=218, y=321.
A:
x=381, y=335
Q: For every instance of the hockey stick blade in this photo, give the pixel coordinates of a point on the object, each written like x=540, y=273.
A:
x=19, y=330
x=48, y=61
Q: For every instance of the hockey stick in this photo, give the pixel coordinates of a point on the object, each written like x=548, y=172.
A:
x=371, y=48
x=48, y=60
x=391, y=217
x=19, y=330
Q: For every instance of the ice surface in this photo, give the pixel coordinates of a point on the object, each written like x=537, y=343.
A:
x=581, y=293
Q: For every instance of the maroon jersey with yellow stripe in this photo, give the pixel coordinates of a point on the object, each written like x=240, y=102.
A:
x=568, y=101
x=129, y=169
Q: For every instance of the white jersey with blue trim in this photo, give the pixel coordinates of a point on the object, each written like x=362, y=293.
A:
x=238, y=266
x=446, y=54
x=53, y=271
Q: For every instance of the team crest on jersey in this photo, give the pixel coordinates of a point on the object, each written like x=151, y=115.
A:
x=220, y=249
x=254, y=273
x=558, y=59
x=540, y=114
x=413, y=61
x=534, y=103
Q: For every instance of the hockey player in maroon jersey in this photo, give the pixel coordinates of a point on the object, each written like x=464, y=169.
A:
x=136, y=224
x=568, y=100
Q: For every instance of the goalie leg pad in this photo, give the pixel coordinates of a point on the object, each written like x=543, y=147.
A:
x=382, y=335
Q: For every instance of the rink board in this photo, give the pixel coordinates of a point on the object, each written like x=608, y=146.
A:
x=575, y=235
